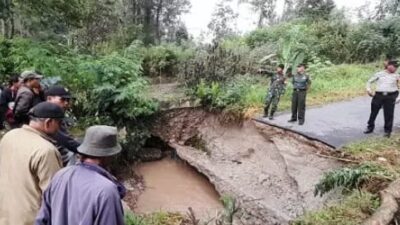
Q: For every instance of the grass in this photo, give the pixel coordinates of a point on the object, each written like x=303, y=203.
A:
x=231, y=207
x=329, y=84
x=334, y=83
x=159, y=218
x=381, y=159
x=352, y=210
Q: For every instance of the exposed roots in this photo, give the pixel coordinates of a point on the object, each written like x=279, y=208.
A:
x=385, y=214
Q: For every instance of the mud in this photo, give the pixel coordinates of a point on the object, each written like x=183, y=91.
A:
x=172, y=186
x=270, y=172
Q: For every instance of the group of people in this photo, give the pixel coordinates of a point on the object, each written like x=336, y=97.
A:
x=34, y=186
x=385, y=95
x=301, y=84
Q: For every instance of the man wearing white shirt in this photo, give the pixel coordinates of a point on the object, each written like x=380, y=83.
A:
x=385, y=96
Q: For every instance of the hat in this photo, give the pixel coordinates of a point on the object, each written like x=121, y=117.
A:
x=47, y=110
x=30, y=75
x=100, y=141
x=302, y=65
x=58, y=91
x=394, y=63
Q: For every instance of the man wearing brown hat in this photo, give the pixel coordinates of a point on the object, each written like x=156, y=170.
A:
x=28, y=161
x=27, y=96
x=385, y=95
x=86, y=193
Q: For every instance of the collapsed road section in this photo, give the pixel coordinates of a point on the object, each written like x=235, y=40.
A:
x=271, y=172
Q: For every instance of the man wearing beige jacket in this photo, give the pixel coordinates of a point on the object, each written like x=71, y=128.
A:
x=28, y=161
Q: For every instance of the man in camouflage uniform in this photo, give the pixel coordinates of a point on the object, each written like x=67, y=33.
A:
x=276, y=89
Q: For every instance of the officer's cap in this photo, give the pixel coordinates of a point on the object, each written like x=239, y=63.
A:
x=26, y=75
x=302, y=65
x=59, y=91
x=394, y=63
x=47, y=110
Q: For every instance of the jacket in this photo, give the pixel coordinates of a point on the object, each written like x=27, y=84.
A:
x=84, y=194
x=28, y=161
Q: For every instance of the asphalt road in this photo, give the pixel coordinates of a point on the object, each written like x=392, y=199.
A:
x=336, y=124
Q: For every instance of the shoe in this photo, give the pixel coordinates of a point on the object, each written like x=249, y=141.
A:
x=292, y=120
x=387, y=135
x=301, y=123
x=368, y=131
x=271, y=118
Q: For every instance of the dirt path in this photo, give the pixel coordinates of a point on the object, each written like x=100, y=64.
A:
x=336, y=124
x=272, y=175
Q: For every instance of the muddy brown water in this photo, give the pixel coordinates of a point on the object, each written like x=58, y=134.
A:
x=173, y=186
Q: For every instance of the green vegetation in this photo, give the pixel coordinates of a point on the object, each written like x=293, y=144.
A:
x=377, y=163
x=231, y=207
x=107, y=51
x=159, y=218
x=352, y=210
x=246, y=93
x=109, y=89
x=352, y=178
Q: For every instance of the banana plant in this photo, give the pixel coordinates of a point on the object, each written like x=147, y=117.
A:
x=288, y=53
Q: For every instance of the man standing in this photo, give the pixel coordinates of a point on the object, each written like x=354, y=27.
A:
x=28, y=161
x=86, y=193
x=301, y=83
x=27, y=96
x=66, y=144
x=385, y=96
x=276, y=89
x=7, y=96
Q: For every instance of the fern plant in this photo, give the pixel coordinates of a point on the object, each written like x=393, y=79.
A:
x=350, y=178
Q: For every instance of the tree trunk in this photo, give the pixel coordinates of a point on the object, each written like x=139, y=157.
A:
x=260, y=20
x=389, y=206
x=158, y=16
x=148, y=22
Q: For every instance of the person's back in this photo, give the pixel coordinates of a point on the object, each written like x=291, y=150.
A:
x=23, y=103
x=81, y=194
x=26, y=96
x=26, y=164
x=86, y=193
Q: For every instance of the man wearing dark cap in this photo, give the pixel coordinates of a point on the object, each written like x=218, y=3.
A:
x=385, y=95
x=86, y=193
x=301, y=83
x=276, y=89
x=27, y=96
x=28, y=161
x=66, y=144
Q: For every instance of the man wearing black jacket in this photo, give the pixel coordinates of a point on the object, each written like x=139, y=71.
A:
x=66, y=144
x=7, y=96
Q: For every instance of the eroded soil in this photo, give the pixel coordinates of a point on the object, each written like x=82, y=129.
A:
x=271, y=173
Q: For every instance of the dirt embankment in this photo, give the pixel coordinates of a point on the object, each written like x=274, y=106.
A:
x=271, y=173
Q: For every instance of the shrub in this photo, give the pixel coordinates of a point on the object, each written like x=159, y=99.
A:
x=351, y=178
x=109, y=89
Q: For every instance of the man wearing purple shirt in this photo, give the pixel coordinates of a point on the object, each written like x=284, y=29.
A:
x=86, y=193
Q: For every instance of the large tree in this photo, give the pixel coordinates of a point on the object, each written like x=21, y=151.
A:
x=315, y=9
x=223, y=20
x=265, y=10
x=387, y=8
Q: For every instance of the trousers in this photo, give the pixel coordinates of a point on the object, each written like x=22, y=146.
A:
x=387, y=102
x=299, y=104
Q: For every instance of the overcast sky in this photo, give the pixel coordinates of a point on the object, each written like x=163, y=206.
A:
x=201, y=11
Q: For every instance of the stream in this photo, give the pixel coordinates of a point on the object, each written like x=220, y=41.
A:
x=173, y=186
